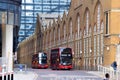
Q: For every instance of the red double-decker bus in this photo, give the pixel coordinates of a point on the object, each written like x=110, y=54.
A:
x=61, y=58
x=39, y=60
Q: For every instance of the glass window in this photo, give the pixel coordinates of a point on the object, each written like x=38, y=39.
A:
x=23, y=7
x=29, y=33
x=23, y=1
x=64, y=28
x=29, y=20
x=54, y=32
x=44, y=1
x=95, y=44
x=11, y=18
x=90, y=32
x=98, y=44
x=49, y=1
x=90, y=44
x=29, y=1
x=11, y=7
x=29, y=13
x=38, y=7
x=84, y=33
x=87, y=22
x=53, y=7
x=29, y=7
x=28, y=26
x=23, y=21
x=61, y=10
x=23, y=13
x=95, y=29
x=71, y=28
x=37, y=1
x=80, y=44
x=34, y=21
x=22, y=26
x=80, y=34
x=98, y=19
x=87, y=45
x=16, y=19
x=18, y=9
x=21, y=32
x=35, y=13
x=20, y=39
x=62, y=1
x=78, y=24
x=102, y=27
x=46, y=7
x=59, y=33
x=90, y=40
x=84, y=48
x=102, y=44
x=3, y=5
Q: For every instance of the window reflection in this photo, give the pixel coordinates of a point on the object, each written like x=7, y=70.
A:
x=3, y=17
x=10, y=18
x=9, y=12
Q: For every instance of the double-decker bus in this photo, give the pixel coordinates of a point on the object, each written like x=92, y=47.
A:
x=39, y=60
x=61, y=58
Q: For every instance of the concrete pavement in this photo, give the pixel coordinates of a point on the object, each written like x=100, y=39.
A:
x=32, y=75
x=25, y=75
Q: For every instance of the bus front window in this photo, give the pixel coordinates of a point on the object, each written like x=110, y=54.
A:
x=43, y=60
x=66, y=59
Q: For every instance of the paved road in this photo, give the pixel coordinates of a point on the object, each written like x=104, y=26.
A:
x=27, y=75
x=48, y=74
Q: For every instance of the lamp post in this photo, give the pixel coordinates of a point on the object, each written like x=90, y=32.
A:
x=90, y=50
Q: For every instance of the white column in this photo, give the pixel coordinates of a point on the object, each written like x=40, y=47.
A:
x=7, y=45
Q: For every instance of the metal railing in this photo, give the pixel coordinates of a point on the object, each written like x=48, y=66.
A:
x=114, y=74
x=5, y=74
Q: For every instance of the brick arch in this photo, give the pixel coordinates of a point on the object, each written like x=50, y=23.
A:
x=87, y=12
x=69, y=24
x=64, y=28
x=76, y=23
x=90, y=30
x=70, y=19
x=102, y=26
x=58, y=30
x=84, y=16
x=50, y=33
x=94, y=26
x=45, y=38
x=98, y=3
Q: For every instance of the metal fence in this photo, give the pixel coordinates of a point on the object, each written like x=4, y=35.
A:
x=114, y=74
x=5, y=74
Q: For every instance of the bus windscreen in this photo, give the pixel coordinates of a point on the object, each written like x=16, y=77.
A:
x=66, y=57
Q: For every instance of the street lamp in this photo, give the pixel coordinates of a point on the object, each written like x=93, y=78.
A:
x=80, y=52
x=108, y=48
x=90, y=50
